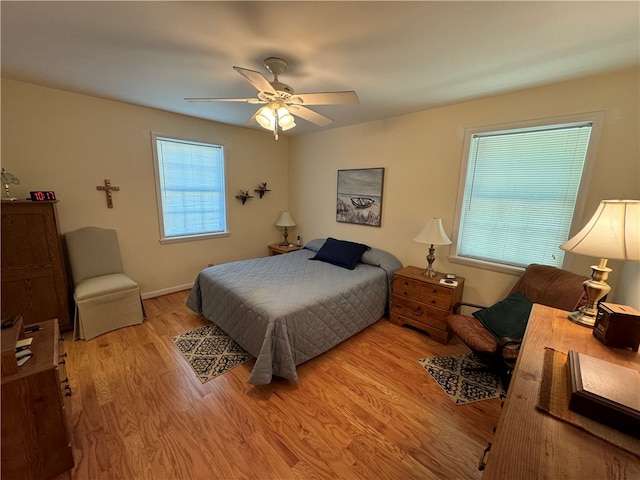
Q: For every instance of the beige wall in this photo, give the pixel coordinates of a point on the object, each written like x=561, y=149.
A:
x=422, y=154
x=69, y=143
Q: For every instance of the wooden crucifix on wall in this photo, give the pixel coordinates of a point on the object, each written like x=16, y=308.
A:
x=108, y=188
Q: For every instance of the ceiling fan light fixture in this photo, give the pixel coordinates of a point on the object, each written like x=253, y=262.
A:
x=266, y=118
x=288, y=127
x=285, y=119
x=280, y=101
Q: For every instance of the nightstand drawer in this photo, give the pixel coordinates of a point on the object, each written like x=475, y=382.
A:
x=437, y=302
x=439, y=297
x=420, y=312
x=442, y=293
x=406, y=287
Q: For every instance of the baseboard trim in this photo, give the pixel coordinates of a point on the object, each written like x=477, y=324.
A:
x=167, y=291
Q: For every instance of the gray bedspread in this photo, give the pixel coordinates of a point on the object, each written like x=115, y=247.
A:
x=286, y=309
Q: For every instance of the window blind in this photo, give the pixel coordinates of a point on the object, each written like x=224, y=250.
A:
x=520, y=193
x=191, y=182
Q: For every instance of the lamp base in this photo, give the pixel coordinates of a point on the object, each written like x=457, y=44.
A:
x=285, y=241
x=582, y=318
x=430, y=272
x=595, y=288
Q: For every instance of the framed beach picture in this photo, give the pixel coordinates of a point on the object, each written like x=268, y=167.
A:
x=359, y=198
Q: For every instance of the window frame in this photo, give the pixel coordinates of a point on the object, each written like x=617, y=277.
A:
x=156, y=170
x=595, y=118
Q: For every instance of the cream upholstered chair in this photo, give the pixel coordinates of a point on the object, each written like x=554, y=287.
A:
x=105, y=298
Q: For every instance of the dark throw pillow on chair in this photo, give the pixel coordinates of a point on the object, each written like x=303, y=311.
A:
x=507, y=318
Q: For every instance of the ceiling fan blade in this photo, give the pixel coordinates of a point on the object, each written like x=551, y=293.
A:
x=256, y=79
x=325, y=98
x=204, y=99
x=310, y=115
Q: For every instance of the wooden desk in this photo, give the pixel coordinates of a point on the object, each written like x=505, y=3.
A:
x=36, y=440
x=532, y=444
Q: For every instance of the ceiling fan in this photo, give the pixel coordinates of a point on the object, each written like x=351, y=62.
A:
x=280, y=101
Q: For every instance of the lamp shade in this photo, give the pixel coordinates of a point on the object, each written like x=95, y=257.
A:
x=266, y=118
x=285, y=220
x=285, y=119
x=612, y=233
x=433, y=233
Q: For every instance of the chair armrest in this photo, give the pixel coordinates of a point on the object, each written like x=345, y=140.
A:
x=512, y=344
x=457, y=306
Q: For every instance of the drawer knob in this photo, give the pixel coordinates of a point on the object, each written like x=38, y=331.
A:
x=66, y=380
x=67, y=391
x=63, y=362
x=418, y=311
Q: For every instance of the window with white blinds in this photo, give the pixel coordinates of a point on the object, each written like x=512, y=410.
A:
x=190, y=185
x=520, y=193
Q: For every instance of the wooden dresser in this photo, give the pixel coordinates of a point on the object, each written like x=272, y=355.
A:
x=34, y=280
x=423, y=302
x=36, y=443
x=532, y=444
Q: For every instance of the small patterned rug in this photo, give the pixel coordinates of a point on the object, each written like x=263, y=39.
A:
x=210, y=351
x=465, y=378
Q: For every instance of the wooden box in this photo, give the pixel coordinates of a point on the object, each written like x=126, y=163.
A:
x=618, y=326
x=605, y=392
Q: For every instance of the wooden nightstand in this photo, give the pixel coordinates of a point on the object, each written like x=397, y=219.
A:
x=276, y=249
x=423, y=302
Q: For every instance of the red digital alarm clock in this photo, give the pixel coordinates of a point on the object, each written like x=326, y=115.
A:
x=42, y=196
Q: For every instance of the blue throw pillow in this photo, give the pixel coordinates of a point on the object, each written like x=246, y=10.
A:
x=341, y=253
x=507, y=318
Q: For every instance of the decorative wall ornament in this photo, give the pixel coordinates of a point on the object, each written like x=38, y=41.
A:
x=359, y=198
x=262, y=189
x=108, y=188
x=243, y=196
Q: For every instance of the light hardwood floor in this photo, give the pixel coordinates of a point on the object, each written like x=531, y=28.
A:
x=364, y=410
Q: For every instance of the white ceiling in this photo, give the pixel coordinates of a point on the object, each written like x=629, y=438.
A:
x=400, y=57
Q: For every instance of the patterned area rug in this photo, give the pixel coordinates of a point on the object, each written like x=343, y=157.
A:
x=465, y=378
x=210, y=351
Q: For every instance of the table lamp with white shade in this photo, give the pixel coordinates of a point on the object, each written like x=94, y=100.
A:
x=432, y=234
x=285, y=221
x=613, y=233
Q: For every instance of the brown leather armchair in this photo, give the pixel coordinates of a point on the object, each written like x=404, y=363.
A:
x=542, y=284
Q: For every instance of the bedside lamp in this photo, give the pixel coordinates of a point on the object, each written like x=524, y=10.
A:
x=285, y=221
x=612, y=233
x=432, y=234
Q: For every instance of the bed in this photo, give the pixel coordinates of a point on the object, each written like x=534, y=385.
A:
x=287, y=309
